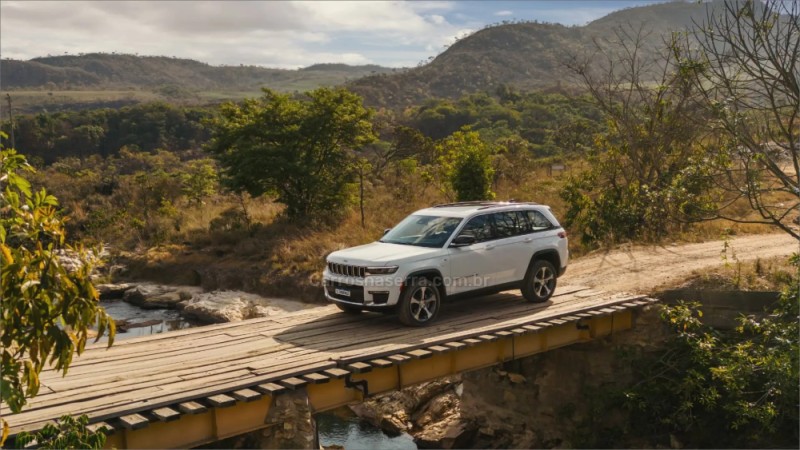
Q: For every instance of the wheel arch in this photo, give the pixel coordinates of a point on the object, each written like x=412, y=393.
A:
x=431, y=274
x=551, y=255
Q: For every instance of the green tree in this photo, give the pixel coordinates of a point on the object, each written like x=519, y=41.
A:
x=465, y=164
x=714, y=389
x=47, y=307
x=299, y=150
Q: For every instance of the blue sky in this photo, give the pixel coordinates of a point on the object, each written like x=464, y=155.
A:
x=271, y=33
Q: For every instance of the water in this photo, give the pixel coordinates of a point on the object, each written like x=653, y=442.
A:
x=143, y=322
x=343, y=428
x=340, y=427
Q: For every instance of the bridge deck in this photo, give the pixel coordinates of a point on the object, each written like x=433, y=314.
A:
x=163, y=370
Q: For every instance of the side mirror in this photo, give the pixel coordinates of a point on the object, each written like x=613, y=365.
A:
x=386, y=231
x=463, y=240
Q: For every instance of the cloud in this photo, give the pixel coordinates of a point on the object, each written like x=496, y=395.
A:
x=284, y=34
x=275, y=34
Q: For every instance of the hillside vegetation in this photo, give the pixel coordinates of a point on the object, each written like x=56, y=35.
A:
x=113, y=80
x=526, y=56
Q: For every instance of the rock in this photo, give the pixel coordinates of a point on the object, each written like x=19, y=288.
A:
x=232, y=306
x=154, y=296
x=516, y=378
x=111, y=291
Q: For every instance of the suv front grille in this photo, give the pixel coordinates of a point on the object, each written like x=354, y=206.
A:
x=347, y=270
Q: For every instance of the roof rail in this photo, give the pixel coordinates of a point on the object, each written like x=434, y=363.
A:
x=484, y=204
x=472, y=203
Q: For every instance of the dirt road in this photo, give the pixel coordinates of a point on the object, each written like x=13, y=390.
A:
x=642, y=269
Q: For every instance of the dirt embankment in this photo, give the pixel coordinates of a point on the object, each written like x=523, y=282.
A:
x=645, y=269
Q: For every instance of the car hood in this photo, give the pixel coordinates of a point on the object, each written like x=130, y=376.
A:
x=381, y=253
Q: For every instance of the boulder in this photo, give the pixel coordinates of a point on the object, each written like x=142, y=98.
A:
x=111, y=291
x=232, y=306
x=154, y=296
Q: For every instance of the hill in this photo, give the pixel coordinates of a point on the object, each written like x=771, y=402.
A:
x=527, y=55
x=113, y=71
x=523, y=55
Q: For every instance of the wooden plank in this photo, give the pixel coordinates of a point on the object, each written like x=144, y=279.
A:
x=438, y=349
x=270, y=388
x=455, y=345
x=166, y=414
x=293, y=382
x=471, y=341
x=336, y=372
x=246, y=395
x=317, y=378
x=518, y=331
x=399, y=359
x=134, y=421
x=221, y=401
x=487, y=337
x=359, y=367
x=419, y=354
x=381, y=363
x=192, y=408
x=97, y=427
x=532, y=328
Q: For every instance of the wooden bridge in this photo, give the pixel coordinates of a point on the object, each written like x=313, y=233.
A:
x=194, y=386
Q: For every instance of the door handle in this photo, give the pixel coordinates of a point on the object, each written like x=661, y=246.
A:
x=489, y=247
x=528, y=240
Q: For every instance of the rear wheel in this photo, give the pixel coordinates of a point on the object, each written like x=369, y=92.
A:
x=420, y=303
x=349, y=309
x=540, y=282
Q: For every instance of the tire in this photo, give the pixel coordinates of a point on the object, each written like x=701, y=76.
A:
x=420, y=303
x=349, y=309
x=540, y=282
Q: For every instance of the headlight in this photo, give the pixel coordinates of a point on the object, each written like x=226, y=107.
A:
x=381, y=270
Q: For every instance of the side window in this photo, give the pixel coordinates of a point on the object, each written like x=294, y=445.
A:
x=524, y=222
x=480, y=227
x=507, y=224
x=538, y=221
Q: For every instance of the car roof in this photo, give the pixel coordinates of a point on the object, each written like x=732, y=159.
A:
x=466, y=209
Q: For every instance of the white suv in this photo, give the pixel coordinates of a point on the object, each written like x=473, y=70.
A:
x=449, y=251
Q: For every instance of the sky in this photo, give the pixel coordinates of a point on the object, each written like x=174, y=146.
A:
x=280, y=34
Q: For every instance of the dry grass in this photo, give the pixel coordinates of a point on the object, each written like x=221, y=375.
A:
x=769, y=274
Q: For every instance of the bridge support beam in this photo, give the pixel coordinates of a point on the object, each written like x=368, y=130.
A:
x=384, y=375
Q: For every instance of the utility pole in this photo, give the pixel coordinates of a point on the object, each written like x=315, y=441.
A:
x=11, y=120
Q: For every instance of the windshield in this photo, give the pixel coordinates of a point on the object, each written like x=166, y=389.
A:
x=422, y=231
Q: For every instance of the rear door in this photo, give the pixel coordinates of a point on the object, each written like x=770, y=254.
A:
x=513, y=246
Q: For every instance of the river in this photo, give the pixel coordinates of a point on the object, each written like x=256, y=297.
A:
x=337, y=428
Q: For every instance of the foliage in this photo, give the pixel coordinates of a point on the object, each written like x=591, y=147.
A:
x=48, y=307
x=744, y=59
x=647, y=169
x=67, y=433
x=146, y=127
x=717, y=390
x=465, y=167
x=299, y=150
x=132, y=199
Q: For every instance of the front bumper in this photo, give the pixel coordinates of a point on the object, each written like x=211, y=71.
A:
x=370, y=292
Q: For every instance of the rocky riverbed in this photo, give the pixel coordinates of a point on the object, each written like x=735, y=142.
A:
x=193, y=304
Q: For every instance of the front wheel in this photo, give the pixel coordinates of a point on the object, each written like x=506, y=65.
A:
x=420, y=303
x=540, y=282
